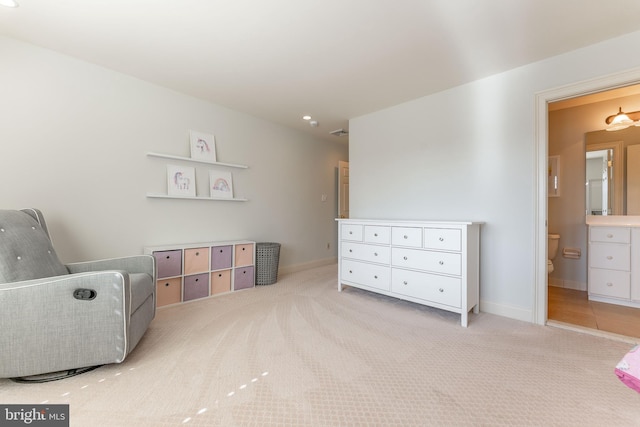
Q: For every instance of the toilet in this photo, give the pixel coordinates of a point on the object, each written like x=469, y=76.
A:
x=552, y=249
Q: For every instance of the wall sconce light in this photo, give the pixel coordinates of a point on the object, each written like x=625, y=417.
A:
x=622, y=120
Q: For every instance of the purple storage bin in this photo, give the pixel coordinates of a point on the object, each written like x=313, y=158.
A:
x=169, y=263
x=196, y=286
x=243, y=278
x=221, y=257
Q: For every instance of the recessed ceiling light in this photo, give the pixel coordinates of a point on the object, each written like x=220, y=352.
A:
x=9, y=3
x=304, y=117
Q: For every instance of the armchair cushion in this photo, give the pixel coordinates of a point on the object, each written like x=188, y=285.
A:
x=25, y=249
x=142, y=287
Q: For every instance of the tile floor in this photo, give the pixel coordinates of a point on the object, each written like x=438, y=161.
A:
x=572, y=306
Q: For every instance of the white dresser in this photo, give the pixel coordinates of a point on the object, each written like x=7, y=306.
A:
x=614, y=261
x=427, y=262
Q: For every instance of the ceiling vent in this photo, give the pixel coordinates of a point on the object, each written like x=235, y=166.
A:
x=339, y=132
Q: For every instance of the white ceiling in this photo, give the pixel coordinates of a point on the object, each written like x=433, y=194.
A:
x=332, y=59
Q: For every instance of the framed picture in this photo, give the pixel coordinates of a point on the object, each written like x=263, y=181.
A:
x=203, y=146
x=221, y=184
x=181, y=181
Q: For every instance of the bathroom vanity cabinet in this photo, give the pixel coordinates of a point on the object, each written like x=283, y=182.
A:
x=614, y=260
x=430, y=263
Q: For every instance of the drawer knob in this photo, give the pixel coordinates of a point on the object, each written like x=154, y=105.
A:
x=405, y=236
x=405, y=258
x=441, y=262
x=610, y=236
x=375, y=253
x=609, y=284
x=219, y=274
x=350, y=272
x=441, y=239
x=375, y=234
x=350, y=250
x=197, y=280
x=609, y=257
x=166, y=284
x=405, y=283
x=168, y=257
x=197, y=253
x=375, y=277
x=441, y=290
x=351, y=232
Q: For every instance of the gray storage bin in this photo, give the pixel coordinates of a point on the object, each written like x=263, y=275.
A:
x=267, y=259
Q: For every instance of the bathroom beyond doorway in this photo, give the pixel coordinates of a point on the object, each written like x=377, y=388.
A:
x=572, y=306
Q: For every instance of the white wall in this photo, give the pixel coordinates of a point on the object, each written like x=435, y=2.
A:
x=74, y=141
x=469, y=153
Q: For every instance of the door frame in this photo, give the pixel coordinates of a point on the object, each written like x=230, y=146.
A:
x=600, y=84
x=341, y=164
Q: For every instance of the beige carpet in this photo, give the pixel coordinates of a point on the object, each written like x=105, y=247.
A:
x=299, y=353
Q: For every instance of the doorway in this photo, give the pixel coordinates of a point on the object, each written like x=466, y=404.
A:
x=343, y=189
x=541, y=292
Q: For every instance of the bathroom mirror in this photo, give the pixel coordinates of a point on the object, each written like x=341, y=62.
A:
x=604, y=179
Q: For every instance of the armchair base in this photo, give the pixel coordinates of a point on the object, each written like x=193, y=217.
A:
x=54, y=376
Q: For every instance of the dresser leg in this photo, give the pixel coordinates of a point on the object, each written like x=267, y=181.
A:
x=464, y=319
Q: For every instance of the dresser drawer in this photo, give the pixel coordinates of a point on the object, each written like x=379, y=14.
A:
x=362, y=252
x=375, y=276
x=406, y=236
x=221, y=257
x=447, y=239
x=169, y=263
x=377, y=234
x=437, y=262
x=431, y=287
x=610, y=255
x=352, y=232
x=196, y=286
x=610, y=234
x=610, y=283
x=196, y=260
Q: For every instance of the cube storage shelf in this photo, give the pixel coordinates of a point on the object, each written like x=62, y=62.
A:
x=197, y=270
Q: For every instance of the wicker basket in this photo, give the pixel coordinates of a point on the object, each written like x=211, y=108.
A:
x=267, y=259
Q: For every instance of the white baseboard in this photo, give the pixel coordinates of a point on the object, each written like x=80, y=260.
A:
x=517, y=313
x=558, y=283
x=568, y=284
x=307, y=265
x=572, y=284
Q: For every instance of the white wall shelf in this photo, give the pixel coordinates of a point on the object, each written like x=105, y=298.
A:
x=188, y=159
x=165, y=196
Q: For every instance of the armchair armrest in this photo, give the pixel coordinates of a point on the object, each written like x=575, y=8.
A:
x=46, y=329
x=131, y=264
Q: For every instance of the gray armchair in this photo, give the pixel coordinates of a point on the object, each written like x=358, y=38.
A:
x=56, y=317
